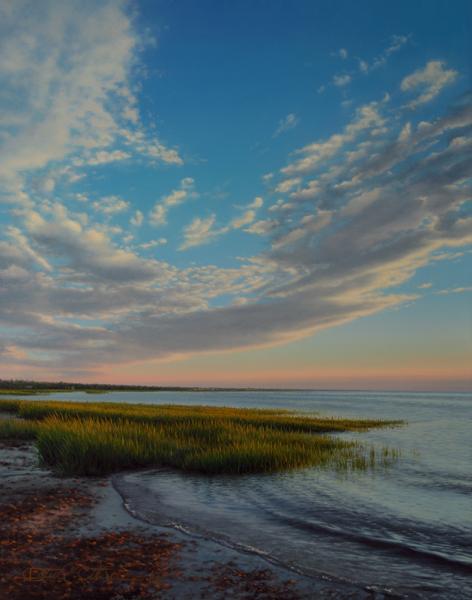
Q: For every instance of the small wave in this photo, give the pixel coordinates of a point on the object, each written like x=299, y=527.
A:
x=400, y=548
x=197, y=532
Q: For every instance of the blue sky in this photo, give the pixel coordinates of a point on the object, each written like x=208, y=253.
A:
x=229, y=193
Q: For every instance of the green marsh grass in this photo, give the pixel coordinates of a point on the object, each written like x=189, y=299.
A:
x=97, y=438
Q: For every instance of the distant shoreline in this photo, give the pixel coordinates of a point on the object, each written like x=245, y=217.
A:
x=34, y=387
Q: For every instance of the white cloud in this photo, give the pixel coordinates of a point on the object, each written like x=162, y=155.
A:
x=111, y=205
x=311, y=190
x=158, y=215
x=342, y=80
x=287, y=123
x=245, y=219
x=70, y=69
x=203, y=231
x=153, y=243
x=137, y=219
x=281, y=205
x=185, y=191
x=104, y=157
x=174, y=198
x=87, y=250
x=363, y=66
x=258, y=202
x=367, y=117
x=287, y=184
x=457, y=290
x=431, y=80
x=199, y=232
x=396, y=43
x=262, y=227
x=405, y=133
x=46, y=185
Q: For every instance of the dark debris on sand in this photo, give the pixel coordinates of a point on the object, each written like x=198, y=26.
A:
x=42, y=557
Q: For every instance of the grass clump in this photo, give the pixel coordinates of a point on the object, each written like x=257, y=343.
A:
x=98, y=438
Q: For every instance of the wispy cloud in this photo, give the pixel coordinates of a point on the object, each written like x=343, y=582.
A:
x=111, y=205
x=74, y=109
x=137, y=219
x=362, y=65
x=185, y=191
x=341, y=53
x=199, y=232
x=153, y=243
x=456, y=290
x=205, y=230
x=367, y=117
x=342, y=80
x=430, y=81
x=285, y=124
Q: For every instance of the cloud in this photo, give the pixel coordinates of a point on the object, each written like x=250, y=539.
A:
x=364, y=66
x=372, y=203
x=153, y=243
x=258, y=202
x=203, y=231
x=245, y=219
x=457, y=290
x=367, y=116
x=431, y=80
x=262, y=227
x=86, y=250
x=287, y=184
x=311, y=190
x=360, y=202
x=111, y=205
x=70, y=69
x=137, y=219
x=396, y=43
x=158, y=215
x=285, y=124
x=186, y=191
x=104, y=157
x=342, y=80
x=199, y=232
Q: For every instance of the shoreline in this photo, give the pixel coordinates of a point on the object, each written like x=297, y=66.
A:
x=80, y=510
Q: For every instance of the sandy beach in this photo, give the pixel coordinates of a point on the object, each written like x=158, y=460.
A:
x=73, y=538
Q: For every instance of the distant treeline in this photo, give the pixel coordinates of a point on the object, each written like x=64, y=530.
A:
x=21, y=384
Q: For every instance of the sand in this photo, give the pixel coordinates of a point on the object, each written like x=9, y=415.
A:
x=73, y=538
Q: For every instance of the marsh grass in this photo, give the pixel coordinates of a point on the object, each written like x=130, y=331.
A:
x=97, y=438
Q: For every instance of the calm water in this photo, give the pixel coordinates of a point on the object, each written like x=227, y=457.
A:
x=407, y=529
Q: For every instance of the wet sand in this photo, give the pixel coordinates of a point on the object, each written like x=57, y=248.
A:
x=73, y=538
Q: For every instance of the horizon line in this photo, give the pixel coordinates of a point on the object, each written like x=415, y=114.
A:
x=210, y=388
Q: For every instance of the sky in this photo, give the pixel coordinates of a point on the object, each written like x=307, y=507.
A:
x=254, y=193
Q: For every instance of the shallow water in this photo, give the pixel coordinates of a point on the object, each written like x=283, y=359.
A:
x=407, y=528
